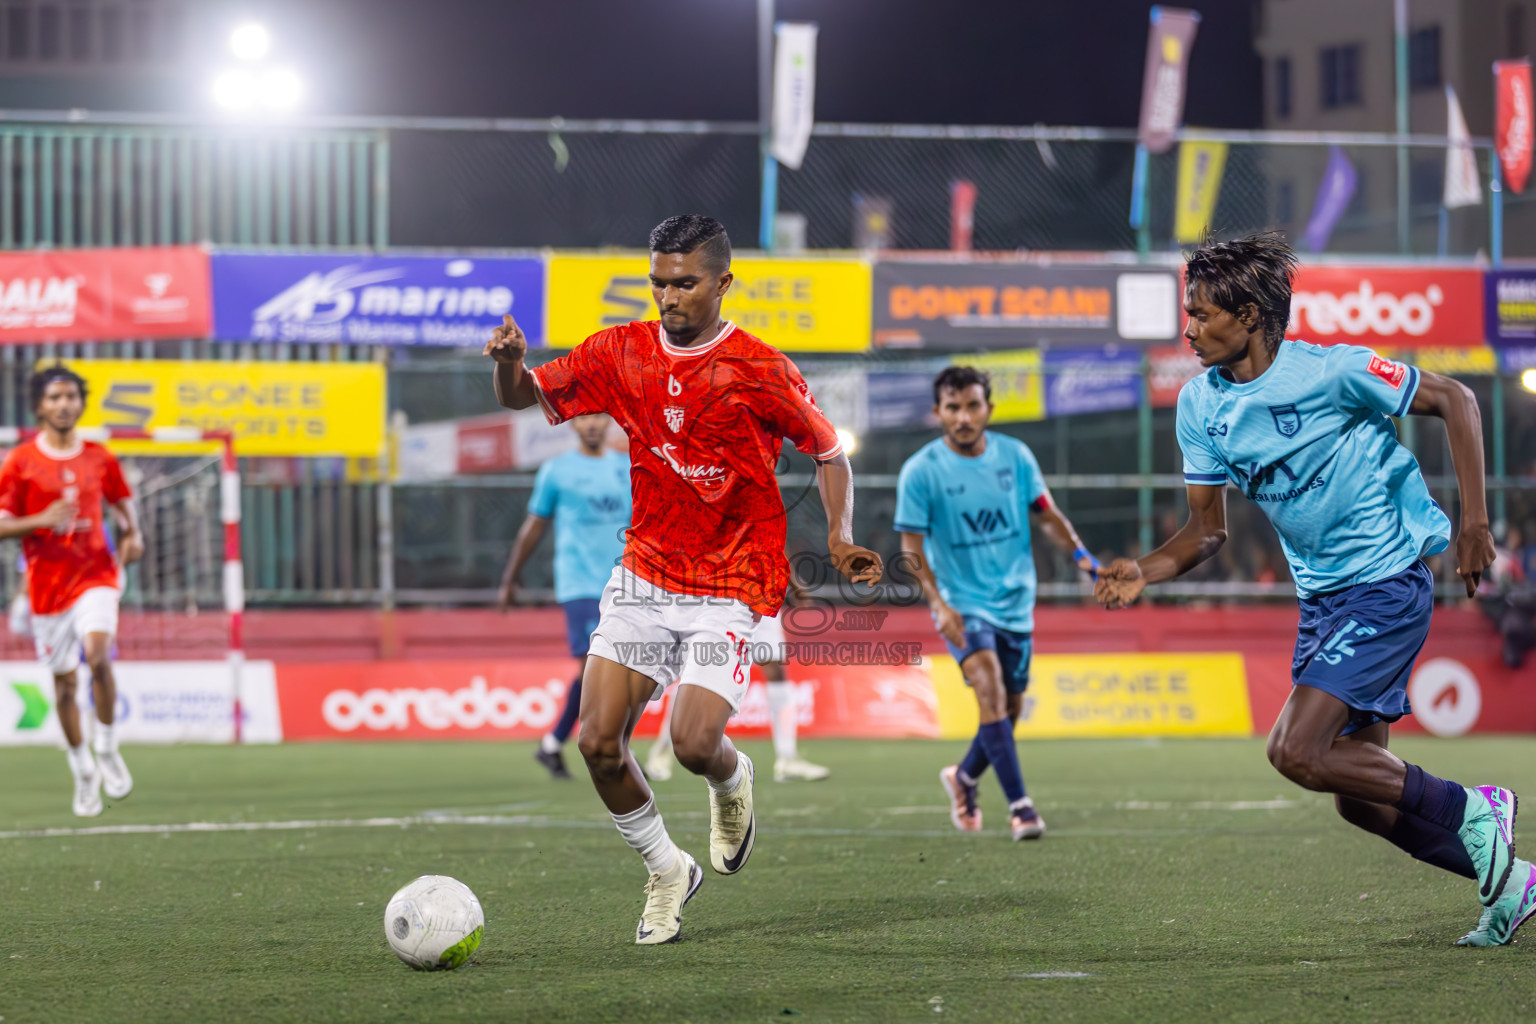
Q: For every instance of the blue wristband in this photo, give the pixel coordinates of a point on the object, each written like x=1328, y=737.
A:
x=1081, y=553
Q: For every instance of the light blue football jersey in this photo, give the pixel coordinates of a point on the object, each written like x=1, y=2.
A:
x=973, y=513
x=588, y=499
x=1309, y=441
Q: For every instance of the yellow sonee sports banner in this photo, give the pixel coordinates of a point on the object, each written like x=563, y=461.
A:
x=1113, y=695
x=794, y=305
x=273, y=408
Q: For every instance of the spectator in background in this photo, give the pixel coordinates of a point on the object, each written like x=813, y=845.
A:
x=1507, y=597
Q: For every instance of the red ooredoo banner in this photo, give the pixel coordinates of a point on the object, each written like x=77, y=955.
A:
x=1396, y=306
x=1513, y=121
x=104, y=294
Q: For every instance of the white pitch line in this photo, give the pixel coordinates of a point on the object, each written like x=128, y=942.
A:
x=1208, y=805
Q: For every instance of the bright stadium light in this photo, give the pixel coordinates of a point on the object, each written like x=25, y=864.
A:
x=849, y=439
x=236, y=91
x=1528, y=380
x=250, y=41
x=281, y=89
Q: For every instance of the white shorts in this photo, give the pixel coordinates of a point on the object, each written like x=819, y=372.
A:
x=58, y=637
x=769, y=639
x=702, y=641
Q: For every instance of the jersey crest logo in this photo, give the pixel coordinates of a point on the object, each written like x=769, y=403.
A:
x=1005, y=479
x=1387, y=370
x=674, y=416
x=1287, y=419
x=1220, y=430
x=673, y=387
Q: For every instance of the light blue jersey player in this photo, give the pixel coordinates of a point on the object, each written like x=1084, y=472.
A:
x=1304, y=432
x=963, y=507
x=585, y=493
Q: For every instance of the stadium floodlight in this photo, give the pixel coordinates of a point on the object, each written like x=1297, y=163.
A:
x=242, y=91
x=1528, y=381
x=236, y=91
x=849, y=439
x=250, y=41
x=281, y=89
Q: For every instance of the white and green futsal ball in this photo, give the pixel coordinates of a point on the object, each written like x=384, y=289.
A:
x=434, y=923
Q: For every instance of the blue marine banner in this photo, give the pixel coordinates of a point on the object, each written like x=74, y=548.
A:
x=1091, y=380
x=374, y=299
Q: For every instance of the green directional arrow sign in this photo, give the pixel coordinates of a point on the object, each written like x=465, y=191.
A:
x=34, y=706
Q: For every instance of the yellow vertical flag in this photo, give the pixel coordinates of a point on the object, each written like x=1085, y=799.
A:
x=1200, y=167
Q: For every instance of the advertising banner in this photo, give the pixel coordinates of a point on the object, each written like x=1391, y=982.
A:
x=900, y=400
x=1091, y=380
x=1171, y=366
x=1333, y=195
x=157, y=702
x=1408, y=307
x=1461, y=185
x=1018, y=385
x=1008, y=305
x=104, y=294
x=374, y=300
x=1169, y=39
x=1200, y=169
x=794, y=91
x=795, y=305
x=1513, y=121
x=273, y=408
x=1113, y=695
x=1509, y=303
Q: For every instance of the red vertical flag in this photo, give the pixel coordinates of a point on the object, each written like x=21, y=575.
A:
x=962, y=214
x=1514, y=126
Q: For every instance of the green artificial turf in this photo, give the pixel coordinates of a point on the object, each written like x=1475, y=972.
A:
x=1152, y=897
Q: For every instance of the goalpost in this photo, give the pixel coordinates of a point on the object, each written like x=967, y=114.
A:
x=186, y=482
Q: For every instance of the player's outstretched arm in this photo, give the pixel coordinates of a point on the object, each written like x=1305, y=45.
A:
x=507, y=347
x=1202, y=535
x=528, y=537
x=950, y=623
x=834, y=479
x=1453, y=402
x=1059, y=531
x=50, y=518
x=130, y=545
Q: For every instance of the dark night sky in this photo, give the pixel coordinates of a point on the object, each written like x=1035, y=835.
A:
x=988, y=61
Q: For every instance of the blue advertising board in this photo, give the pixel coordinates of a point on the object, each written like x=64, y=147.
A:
x=374, y=299
x=1091, y=380
x=1509, y=303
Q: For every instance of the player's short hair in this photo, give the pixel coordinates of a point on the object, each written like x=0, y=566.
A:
x=1259, y=269
x=958, y=378
x=689, y=232
x=38, y=384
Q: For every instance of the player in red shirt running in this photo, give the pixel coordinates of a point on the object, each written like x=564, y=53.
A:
x=51, y=493
x=706, y=407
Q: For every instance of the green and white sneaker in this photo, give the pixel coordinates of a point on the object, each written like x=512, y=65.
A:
x=1516, y=905
x=665, y=895
x=1488, y=833
x=732, y=825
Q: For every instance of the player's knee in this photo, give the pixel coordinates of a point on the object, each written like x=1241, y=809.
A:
x=1296, y=760
x=604, y=755
x=695, y=753
x=99, y=664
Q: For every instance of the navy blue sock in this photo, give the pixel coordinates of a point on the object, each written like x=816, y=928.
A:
x=1428, y=842
x=1435, y=800
x=975, y=761
x=562, y=729
x=997, y=739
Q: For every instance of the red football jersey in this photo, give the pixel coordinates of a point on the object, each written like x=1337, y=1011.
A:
x=706, y=425
x=65, y=562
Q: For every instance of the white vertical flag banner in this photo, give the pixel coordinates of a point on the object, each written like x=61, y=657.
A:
x=794, y=91
x=1461, y=185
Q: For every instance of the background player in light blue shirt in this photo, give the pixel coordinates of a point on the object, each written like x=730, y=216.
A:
x=586, y=494
x=963, y=505
x=1304, y=432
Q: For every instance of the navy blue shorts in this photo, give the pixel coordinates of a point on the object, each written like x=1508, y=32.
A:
x=1359, y=644
x=1014, y=651
x=581, y=617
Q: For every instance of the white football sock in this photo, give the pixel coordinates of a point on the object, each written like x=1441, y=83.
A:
x=81, y=763
x=106, y=738
x=644, y=832
x=730, y=784
x=549, y=744
x=784, y=717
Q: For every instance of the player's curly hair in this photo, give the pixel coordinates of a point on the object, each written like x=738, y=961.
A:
x=958, y=378
x=37, y=385
x=1259, y=269
x=688, y=232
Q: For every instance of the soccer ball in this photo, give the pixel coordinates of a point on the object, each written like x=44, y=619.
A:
x=434, y=924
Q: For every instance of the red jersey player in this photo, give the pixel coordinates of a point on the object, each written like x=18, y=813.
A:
x=52, y=489
x=706, y=407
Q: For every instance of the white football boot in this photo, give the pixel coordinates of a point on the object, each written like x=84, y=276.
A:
x=798, y=769
x=732, y=827
x=665, y=895
x=88, y=794
x=115, y=779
